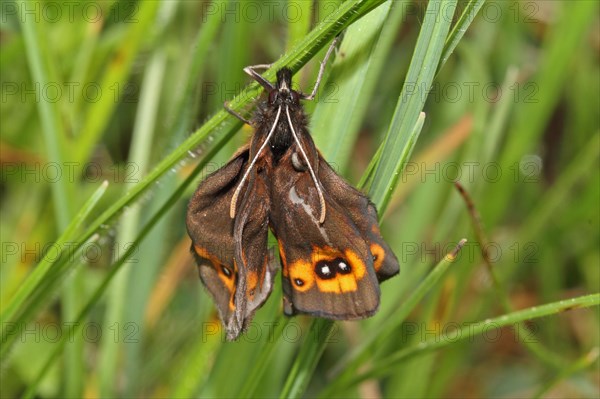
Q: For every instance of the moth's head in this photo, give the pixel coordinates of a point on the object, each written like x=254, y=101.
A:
x=283, y=92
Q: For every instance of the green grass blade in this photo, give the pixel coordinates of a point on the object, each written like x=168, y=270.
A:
x=532, y=116
x=350, y=364
x=52, y=126
x=464, y=21
x=425, y=60
x=114, y=79
x=409, y=141
x=34, y=280
x=142, y=140
x=478, y=328
x=100, y=290
x=341, y=110
x=306, y=362
x=262, y=363
x=584, y=362
x=195, y=370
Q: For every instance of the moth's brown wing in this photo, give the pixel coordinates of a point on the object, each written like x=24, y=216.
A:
x=364, y=215
x=327, y=268
x=250, y=234
x=212, y=232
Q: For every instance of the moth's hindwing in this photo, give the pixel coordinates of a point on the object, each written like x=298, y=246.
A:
x=239, y=280
x=364, y=215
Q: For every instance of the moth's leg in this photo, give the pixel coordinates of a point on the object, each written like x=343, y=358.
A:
x=312, y=95
x=234, y=113
x=251, y=70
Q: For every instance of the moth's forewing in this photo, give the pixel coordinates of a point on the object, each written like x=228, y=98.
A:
x=327, y=267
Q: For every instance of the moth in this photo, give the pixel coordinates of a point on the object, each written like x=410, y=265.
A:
x=331, y=251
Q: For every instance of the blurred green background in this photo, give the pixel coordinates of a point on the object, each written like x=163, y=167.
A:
x=100, y=296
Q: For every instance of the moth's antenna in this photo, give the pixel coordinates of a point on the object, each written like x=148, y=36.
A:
x=310, y=169
x=262, y=147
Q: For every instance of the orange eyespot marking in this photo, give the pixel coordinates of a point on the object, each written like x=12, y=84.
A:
x=375, y=229
x=225, y=273
x=378, y=256
x=301, y=275
x=227, y=278
x=321, y=253
x=338, y=285
x=358, y=266
x=332, y=270
x=337, y=272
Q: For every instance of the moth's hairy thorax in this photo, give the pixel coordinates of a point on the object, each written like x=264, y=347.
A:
x=282, y=138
